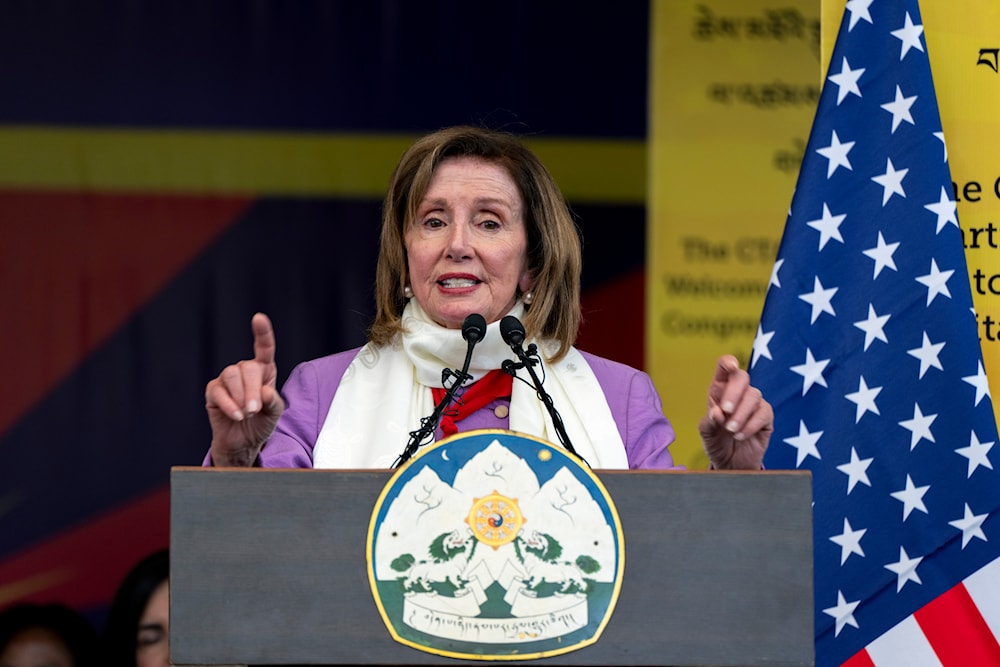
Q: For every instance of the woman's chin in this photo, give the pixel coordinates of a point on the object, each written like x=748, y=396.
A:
x=451, y=310
x=454, y=318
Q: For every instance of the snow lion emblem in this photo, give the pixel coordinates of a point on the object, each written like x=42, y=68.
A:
x=492, y=544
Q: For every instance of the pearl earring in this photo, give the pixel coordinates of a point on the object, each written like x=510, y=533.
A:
x=529, y=296
x=408, y=292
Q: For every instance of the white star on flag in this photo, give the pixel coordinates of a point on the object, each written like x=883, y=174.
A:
x=979, y=381
x=928, y=354
x=891, y=181
x=859, y=11
x=774, y=274
x=882, y=254
x=760, y=343
x=819, y=299
x=912, y=497
x=856, y=471
x=900, y=109
x=836, y=153
x=847, y=81
x=945, y=209
x=936, y=282
x=828, y=226
x=919, y=427
x=944, y=147
x=849, y=541
x=874, y=326
x=977, y=453
x=864, y=398
x=843, y=612
x=805, y=443
x=971, y=526
x=909, y=35
x=905, y=569
x=811, y=371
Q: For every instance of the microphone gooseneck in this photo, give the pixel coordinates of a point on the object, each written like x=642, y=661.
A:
x=513, y=334
x=473, y=331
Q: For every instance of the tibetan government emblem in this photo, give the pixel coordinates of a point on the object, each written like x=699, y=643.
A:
x=493, y=545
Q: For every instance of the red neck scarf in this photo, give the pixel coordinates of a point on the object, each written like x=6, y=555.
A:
x=495, y=384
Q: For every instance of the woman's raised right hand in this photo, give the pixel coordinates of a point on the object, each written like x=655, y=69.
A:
x=243, y=403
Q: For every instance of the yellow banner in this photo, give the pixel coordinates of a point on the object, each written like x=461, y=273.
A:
x=275, y=163
x=734, y=88
x=963, y=44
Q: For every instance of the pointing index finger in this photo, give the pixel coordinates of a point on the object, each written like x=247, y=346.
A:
x=726, y=366
x=263, y=339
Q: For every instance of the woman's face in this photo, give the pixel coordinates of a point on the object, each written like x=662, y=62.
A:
x=152, y=648
x=468, y=246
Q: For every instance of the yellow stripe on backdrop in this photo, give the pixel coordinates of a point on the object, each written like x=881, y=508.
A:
x=963, y=42
x=278, y=164
x=734, y=87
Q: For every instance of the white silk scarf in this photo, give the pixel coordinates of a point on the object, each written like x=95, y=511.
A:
x=386, y=391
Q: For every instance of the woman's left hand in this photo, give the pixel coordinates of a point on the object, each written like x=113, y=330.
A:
x=739, y=422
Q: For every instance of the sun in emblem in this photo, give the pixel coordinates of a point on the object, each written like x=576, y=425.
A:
x=495, y=519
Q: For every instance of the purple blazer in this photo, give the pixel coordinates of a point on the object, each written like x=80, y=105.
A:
x=309, y=390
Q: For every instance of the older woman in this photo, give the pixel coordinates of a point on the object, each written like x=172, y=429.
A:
x=472, y=223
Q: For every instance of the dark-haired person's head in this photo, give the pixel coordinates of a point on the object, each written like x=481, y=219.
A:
x=138, y=626
x=46, y=635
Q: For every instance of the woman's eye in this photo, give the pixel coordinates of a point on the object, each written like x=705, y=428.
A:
x=433, y=223
x=490, y=225
x=150, y=636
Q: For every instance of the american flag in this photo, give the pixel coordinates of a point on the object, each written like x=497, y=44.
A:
x=868, y=350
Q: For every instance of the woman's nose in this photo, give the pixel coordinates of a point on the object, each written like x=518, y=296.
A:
x=459, y=242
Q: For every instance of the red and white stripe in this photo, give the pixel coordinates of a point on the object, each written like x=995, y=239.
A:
x=959, y=628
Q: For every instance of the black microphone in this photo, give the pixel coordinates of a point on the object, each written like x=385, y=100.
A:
x=512, y=331
x=473, y=331
x=513, y=334
x=474, y=328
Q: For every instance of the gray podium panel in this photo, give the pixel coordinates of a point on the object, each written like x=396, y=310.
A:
x=268, y=568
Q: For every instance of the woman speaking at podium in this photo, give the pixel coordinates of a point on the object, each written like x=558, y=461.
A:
x=472, y=223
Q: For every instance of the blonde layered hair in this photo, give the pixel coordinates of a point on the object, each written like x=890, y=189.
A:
x=554, y=254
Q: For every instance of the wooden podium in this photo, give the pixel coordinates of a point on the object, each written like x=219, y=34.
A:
x=268, y=568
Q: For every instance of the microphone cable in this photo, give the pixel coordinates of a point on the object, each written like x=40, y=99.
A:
x=473, y=331
x=513, y=334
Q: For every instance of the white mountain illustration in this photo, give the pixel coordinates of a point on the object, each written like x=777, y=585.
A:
x=561, y=508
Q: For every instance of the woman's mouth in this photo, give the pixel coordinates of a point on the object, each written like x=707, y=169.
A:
x=456, y=283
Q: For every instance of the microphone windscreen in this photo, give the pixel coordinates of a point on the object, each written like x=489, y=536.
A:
x=512, y=330
x=474, y=328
